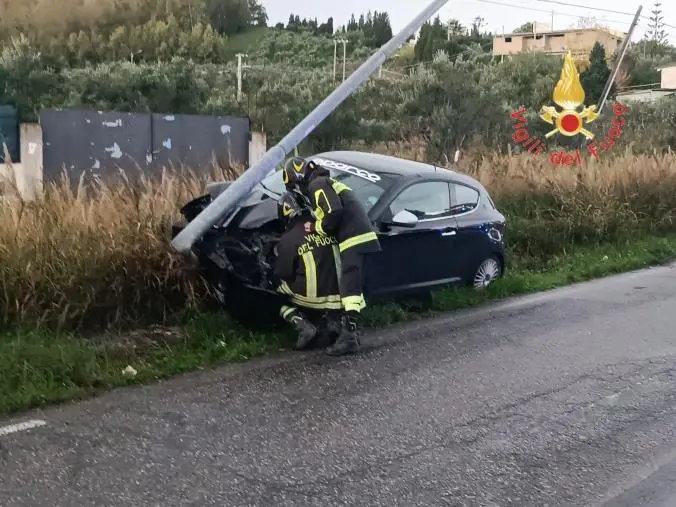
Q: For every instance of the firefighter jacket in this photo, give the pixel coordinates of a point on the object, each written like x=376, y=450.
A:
x=340, y=214
x=307, y=268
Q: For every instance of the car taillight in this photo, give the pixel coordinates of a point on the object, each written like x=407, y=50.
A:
x=496, y=232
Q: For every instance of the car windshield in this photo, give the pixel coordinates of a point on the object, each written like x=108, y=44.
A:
x=364, y=190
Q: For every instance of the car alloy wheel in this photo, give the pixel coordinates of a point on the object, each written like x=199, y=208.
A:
x=487, y=271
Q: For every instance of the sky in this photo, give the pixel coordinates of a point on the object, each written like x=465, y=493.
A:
x=497, y=13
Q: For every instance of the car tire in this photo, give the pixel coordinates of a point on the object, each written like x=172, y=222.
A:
x=488, y=270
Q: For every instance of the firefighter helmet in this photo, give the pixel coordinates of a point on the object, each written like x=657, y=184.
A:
x=288, y=208
x=297, y=171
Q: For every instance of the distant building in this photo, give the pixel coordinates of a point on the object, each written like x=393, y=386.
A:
x=667, y=87
x=578, y=41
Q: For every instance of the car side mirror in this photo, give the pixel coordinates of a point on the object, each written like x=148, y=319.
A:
x=404, y=218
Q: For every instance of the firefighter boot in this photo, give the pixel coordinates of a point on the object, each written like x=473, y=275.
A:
x=305, y=329
x=348, y=341
x=331, y=326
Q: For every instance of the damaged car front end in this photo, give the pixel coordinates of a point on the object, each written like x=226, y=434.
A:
x=236, y=256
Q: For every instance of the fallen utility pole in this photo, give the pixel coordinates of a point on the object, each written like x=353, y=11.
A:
x=616, y=66
x=232, y=195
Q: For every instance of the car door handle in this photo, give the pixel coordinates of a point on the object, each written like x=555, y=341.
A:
x=449, y=232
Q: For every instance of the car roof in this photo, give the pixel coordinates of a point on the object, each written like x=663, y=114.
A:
x=379, y=163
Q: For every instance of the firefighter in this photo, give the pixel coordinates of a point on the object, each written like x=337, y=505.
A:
x=337, y=213
x=306, y=269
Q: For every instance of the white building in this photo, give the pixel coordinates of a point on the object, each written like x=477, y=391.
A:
x=667, y=88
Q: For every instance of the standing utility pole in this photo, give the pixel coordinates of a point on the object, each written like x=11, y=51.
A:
x=239, y=75
x=344, y=43
x=335, y=55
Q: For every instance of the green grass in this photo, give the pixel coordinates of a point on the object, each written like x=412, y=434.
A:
x=37, y=368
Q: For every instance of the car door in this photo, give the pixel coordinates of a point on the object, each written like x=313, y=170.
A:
x=414, y=258
x=471, y=238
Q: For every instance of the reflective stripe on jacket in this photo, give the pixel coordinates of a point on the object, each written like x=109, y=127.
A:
x=308, y=268
x=340, y=214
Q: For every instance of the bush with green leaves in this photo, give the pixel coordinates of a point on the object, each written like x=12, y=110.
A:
x=448, y=104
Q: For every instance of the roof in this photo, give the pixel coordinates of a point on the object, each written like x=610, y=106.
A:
x=379, y=163
x=388, y=164
x=654, y=91
x=614, y=33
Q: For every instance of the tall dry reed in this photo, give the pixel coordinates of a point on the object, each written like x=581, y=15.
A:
x=97, y=256
x=552, y=207
x=72, y=260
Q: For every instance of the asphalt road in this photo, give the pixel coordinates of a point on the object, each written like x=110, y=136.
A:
x=565, y=398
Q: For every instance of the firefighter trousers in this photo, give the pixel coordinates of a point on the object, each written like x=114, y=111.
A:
x=351, y=280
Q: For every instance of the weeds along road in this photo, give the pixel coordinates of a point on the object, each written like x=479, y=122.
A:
x=566, y=398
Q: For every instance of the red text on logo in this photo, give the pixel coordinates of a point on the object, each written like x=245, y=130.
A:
x=521, y=136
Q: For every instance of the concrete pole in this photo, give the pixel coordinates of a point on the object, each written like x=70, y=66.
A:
x=344, y=43
x=616, y=67
x=239, y=75
x=344, y=57
x=335, y=56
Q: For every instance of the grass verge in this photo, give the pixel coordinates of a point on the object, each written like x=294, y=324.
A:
x=37, y=368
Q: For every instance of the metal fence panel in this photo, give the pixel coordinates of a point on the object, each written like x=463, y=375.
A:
x=195, y=141
x=99, y=144
x=95, y=144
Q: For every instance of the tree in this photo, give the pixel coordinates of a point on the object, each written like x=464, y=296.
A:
x=477, y=27
x=352, y=25
x=420, y=43
x=326, y=28
x=231, y=16
x=257, y=13
x=525, y=28
x=432, y=38
x=595, y=77
x=456, y=29
x=656, y=35
x=380, y=30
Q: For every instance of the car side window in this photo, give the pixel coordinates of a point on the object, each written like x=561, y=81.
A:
x=430, y=199
x=463, y=198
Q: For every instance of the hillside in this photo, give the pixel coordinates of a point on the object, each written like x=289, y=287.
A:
x=179, y=56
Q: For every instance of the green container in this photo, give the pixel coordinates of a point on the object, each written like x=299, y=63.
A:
x=9, y=133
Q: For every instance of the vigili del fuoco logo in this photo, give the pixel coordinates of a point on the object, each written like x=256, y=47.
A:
x=569, y=121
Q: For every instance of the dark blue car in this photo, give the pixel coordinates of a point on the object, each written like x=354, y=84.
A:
x=437, y=227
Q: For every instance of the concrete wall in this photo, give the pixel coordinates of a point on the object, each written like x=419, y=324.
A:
x=27, y=175
x=642, y=96
x=668, y=79
x=257, y=147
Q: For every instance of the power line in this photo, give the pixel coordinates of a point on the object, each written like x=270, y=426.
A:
x=587, y=7
x=599, y=9
x=548, y=11
x=517, y=6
